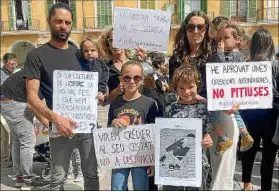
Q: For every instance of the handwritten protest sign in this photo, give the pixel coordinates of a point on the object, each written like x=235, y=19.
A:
x=127, y=147
x=178, y=152
x=141, y=27
x=248, y=84
x=74, y=96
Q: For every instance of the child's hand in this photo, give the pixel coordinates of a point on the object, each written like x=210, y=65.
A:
x=120, y=88
x=221, y=46
x=107, y=93
x=165, y=86
x=150, y=171
x=100, y=97
x=119, y=123
x=234, y=109
x=207, y=141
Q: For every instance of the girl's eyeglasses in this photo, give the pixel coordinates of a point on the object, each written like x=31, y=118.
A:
x=191, y=27
x=128, y=79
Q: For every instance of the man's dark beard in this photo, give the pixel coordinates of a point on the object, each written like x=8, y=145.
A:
x=60, y=37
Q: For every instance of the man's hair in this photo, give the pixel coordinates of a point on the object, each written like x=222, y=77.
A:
x=59, y=5
x=8, y=56
x=188, y=74
x=237, y=32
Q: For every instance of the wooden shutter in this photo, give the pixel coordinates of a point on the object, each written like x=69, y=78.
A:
x=104, y=13
x=151, y=4
x=147, y=4
x=30, y=16
x=204, y=6
x=181, y=11
x=252, y=11
x=11, y=15
x=143, y=4
x=225, y=8
x=72, y=5
x=233, y=11
x=49, y=4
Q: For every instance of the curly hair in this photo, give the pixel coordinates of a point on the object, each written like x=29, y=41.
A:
x=237, y=32
x=181, y=43
x=188, y=74
x=215, y=22
x=96, y=44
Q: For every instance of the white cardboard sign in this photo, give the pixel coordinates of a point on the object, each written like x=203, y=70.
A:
x=74, y=96
x=126, y=147
x=248, y=84
x=141, y=27
x=178, y=152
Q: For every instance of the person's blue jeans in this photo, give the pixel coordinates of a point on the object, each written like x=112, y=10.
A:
x=119, y=179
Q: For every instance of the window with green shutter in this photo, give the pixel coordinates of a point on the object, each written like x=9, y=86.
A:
x=11, y=15
x=252, y=11
x=204, y=6
x=30, y=16
x=180, y=10
x=49, y=4
x=225, y=8
x=148, y=4
x=104, y=13
x=74, y=11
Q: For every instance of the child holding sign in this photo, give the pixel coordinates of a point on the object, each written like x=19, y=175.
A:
x=131, y=108
x=228, y=51
x=186, y=81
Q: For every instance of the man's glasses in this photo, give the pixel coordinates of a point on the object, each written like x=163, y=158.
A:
x=191, y=27
x=128, y=79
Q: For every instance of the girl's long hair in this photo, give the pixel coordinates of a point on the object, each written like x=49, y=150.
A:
x=181, y=44
x=262, y=46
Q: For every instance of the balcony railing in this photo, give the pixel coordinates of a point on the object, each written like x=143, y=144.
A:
x=98, y=22
x=19, y=26
x=256, y=15
x=268, y=14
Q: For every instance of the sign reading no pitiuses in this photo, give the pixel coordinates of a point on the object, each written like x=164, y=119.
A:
x=74, y=96
x=141, y=27
x=248, y=84
x=126, y=147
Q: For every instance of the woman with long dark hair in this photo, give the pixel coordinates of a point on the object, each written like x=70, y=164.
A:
x=192, y=43
x=263, y=126
x=193, y=46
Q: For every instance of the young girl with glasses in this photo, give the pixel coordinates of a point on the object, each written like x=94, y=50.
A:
x=131, y=108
